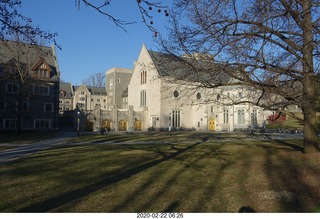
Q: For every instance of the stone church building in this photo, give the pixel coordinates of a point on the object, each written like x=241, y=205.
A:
x=154, y=97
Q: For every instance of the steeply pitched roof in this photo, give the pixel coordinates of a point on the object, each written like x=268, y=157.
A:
x=191, y=69
x=66, y=87
x=30, y=55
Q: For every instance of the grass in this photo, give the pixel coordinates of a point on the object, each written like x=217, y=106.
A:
x=158, y=172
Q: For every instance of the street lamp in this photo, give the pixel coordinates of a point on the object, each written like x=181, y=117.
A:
x=169, y=122
x=78, y=123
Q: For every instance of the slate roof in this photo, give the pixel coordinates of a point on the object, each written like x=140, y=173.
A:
x=29, y=55
x=66, y=87
x=192, y=69
x=93, y=90
x=97, y=90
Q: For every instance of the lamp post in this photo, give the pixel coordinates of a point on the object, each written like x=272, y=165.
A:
x=78, y=123
x=169, y=122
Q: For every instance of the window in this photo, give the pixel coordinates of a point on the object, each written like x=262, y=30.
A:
x=82, y=93
x=254, y=116
x=212, y=109
x=41, y=90
x=25, y=106
x=12, y=88
x=143, y=98
x=3, y=105
x=198, y=96
x=62, y=94
x=119, y=80
x=42, y=123
x=82, y=99
x=48, y=107
x=176, y=118
x=143, y=77
x=154, y=121
x=225, y=116
x=241, y=116
x=176, y=93
x=43, y=71
x=10, y=123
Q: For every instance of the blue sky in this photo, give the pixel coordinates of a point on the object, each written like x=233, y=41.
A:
x=90, y=42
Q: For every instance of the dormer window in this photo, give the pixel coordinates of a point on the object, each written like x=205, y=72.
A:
x=42, y=70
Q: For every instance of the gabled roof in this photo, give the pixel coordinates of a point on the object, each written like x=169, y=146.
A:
x=191, y=69
x=30, y=55
x=66, y=87
x=40, y=63
x=93, y=90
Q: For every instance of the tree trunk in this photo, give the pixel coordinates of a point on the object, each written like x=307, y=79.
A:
x=311, y=144
x=310, y=88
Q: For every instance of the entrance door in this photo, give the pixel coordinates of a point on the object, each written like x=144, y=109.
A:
x=138, y=125
x=212, y=124
x=123, y=125
x=107, y=124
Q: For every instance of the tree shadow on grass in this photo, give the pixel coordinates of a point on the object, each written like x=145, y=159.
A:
x=71, y=196
x=286, y=143
x=292, y=178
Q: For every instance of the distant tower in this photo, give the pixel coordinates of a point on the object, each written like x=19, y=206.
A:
x=117, y=83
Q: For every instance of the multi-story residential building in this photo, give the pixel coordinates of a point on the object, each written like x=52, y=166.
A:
x=65, y=97
x=89, y=98
x=29, y=87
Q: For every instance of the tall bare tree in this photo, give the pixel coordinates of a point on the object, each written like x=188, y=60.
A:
x=13, y=23
x=145, y=7
x=95, y=80
x=270, y=45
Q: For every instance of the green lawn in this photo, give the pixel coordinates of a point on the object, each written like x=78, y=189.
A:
x=181, y=172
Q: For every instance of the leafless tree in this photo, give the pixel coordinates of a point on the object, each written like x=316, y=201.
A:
x=272, y=46
x=13, y=23
x=95, y=80
x=145, y=7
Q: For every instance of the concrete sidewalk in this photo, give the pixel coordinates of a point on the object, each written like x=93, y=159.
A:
x=19, y=151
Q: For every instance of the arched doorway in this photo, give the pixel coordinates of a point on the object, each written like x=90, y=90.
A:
x=123, y=125
x=212, y=124
x=106, y=124
x=88, y=125
x=138, y=125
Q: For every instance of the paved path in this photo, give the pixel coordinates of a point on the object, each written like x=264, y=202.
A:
x=19, y=151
